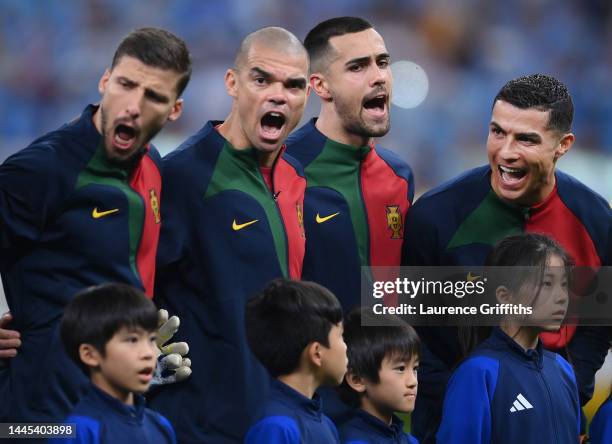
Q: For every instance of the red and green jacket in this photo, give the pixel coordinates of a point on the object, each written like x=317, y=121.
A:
x=69, y=219
x=354, y=210
x=459, y=222
x=225, y=236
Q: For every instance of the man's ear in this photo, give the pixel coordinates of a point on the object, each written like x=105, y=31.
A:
x=357, y=383
x=564, y=145
x=104, y=81
x=319, y=85
x=177, y=110
x=90, y=355
x=231, y=82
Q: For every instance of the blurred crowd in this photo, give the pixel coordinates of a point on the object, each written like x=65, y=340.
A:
x=52, y=53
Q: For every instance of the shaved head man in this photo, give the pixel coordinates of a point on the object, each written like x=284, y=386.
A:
x=232, y=221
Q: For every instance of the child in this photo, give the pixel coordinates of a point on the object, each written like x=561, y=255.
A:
x=109, y=331
x=381, y=378
x=295, y=330
x=510, y=389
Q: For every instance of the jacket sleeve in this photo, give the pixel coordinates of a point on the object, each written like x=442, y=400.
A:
x=31, y=185
x=274, y=430
x=470, y=389
x=420, y=238
x=587, y=351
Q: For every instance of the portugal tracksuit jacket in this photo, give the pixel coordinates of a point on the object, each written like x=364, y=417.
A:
x=225, y=235
x=354, y=210
x=69, y=219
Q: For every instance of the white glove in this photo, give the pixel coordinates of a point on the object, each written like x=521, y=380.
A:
x=172, y=366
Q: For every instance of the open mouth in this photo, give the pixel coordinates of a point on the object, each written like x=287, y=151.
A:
x=376, y=105
x=146, y=374
x=511, y=176
x=124, y=136
x=272, y=124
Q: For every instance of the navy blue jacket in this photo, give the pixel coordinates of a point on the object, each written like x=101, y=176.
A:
x=225, y=235
x=354, y=210
x=102, y=419
x=600, y=429
x=69, y=219
x=291, y=418
x=364, y=428
x=503, y=394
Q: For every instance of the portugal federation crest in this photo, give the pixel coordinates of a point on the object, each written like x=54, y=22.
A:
x=154, y=205
x=394, y=221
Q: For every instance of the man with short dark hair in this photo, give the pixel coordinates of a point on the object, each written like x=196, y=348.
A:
x=232, y=222
x=79, y=207
x=358, y=193
x=519, y=191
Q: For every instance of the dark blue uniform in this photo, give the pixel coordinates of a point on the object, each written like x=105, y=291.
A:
x=364, y=428
x=225, y=236
x=69, y=219
x=291, y=418
x=503, y=394
x=102, y=419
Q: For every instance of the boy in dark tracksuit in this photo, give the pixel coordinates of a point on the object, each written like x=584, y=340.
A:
x=233, y=206
x=80, y=206
x=109, y=331
x=381, y=378
x=510, y=389
x=295, y=330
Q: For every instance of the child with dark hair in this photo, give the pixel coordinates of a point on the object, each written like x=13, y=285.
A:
x=381, y=378
x=510, y=389
x=109, y=331
x=295, y=330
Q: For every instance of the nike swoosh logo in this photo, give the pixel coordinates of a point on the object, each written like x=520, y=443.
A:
x=320, y=219
x=470, y=277
x=98, y=214
x=237, y=227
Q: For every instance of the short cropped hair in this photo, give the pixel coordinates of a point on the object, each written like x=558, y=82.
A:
x=157, y=48
x=367, y=346
x=287, y=316
x=97, y=313
x=317, y=40
x=544, y=93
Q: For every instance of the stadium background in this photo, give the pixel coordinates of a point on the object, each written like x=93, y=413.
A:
x=53, y=52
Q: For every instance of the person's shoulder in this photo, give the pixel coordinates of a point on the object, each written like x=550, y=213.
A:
x=204, y=142
x=559, y=361
x=473, y=183
x=306, y=143
x=575, y=193
x=395, y=162
x=274, y=429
